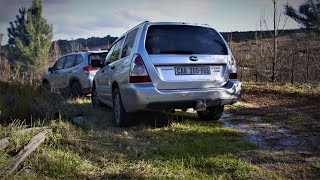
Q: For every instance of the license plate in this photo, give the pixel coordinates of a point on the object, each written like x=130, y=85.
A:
x=194, y=70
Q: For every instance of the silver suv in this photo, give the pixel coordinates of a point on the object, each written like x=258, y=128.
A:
x=167, y=66
x=73, y=72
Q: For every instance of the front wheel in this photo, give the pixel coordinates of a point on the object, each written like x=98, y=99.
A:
x=120, y=114
x=212, y=113
x=46, y=86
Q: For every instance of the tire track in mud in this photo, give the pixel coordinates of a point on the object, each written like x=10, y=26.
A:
x=265, y=135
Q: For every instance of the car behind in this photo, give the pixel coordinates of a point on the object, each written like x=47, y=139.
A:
x=73, y=72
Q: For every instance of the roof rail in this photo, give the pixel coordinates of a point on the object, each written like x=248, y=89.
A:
x=82, y=50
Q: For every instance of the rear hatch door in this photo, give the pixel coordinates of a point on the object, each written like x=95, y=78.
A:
x=187, y=57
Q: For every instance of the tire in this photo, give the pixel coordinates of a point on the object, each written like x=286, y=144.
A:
x=120, y=114
x=95, y=99
x=212, y=113
x=46, y=86
x=75, y=89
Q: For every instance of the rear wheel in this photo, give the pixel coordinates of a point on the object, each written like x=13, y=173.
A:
x=46, y=86
x=76, y=89
x=120, y=114
x=95, y=99
x=212, y=113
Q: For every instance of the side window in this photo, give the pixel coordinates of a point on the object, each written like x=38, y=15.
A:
x=69, y=61
x=79, y=59
x=59, y=64
x=115, y=54
x=98, y=56
x=109, y=55
x=128, y=44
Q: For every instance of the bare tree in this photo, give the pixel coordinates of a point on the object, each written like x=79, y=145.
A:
x=274, y=61
x=1, y=35
x=277, y=19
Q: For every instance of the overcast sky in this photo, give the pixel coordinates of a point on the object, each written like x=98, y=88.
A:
x=73, y=19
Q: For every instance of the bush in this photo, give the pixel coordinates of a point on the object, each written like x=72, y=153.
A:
x=27, y=102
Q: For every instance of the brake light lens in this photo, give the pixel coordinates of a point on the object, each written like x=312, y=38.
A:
x=89, y=68
x=138, y=71
x=233, y=61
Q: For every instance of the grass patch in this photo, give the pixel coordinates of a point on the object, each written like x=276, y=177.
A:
x=287, y=88
x=294, y=117
x=188, y=150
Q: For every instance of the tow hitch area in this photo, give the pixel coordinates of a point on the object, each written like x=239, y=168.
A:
x=201, y=105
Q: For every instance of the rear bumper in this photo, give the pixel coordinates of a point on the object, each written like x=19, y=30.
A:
x=87, y=83
x=144, y=96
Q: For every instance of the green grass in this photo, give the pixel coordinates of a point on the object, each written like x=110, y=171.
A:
x=185, y=149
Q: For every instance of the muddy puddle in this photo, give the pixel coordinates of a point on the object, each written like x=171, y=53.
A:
x=265, y=135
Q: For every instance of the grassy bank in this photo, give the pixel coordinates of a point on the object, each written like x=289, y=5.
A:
x=188, y=150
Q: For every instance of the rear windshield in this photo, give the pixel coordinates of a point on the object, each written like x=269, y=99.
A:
x=183, y=39
x=98, y=56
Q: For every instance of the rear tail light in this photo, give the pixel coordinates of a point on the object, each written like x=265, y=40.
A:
x=89, y=68
x=233, y=61
x=138, y=71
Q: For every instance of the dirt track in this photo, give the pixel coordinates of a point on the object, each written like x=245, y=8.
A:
x=285, y=127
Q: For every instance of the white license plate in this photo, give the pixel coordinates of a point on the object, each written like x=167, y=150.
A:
x=192, y=70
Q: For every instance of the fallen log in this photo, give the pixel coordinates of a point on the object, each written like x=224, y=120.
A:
x=27, y=150
x=4, y=142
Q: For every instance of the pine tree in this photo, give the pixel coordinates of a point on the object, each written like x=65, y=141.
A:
x=29, y=38
x=308, y=14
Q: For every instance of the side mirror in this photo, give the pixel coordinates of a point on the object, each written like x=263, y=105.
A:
x=96, y=63
x=50, y=69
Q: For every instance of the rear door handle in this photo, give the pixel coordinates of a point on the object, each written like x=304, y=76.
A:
x=112, y=67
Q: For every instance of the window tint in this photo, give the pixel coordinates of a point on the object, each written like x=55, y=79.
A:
x=98, y=56
x=59, y=64
x=128, y=44
x=79, y=59
x=183, y=39
x=115, y=54
x=109, y=55
x=69, y=61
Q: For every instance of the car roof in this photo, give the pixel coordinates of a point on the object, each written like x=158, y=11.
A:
x=175, y=23
x=86, y=52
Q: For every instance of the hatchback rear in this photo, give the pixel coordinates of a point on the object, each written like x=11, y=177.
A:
x=73, y=72
x=172, y=66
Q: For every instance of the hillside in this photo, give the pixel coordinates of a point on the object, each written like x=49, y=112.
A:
x=62, y=47
x=238, y=36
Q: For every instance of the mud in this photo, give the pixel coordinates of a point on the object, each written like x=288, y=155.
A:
x=265, y=135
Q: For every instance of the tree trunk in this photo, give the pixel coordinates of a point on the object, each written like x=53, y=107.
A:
x=274, y=62
x=292, y=67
